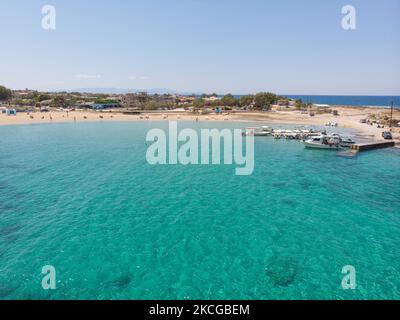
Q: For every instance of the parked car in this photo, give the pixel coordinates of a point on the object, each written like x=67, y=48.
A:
x=387, y=135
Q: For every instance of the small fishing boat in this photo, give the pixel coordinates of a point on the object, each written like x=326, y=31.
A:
x=257, y=132
x=323, y=142
x=331, y=124
x=249, y=132
x=283, y=134
x=267, y=129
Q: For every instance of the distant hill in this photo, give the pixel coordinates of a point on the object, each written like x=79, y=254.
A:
x=124, y=91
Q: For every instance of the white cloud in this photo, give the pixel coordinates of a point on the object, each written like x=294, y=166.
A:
x=138, y=78
x=88, y=76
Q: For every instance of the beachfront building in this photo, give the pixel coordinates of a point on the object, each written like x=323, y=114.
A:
x=185, y=100
x=24, y=94
x=212, y=99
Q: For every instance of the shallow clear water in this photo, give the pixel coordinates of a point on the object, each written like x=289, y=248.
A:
x=81, y=197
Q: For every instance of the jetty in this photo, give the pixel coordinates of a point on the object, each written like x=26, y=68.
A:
x=373, y=145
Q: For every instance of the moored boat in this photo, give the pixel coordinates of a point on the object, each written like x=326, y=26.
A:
x=259, y=132
x=323, y=142
x=256, y=132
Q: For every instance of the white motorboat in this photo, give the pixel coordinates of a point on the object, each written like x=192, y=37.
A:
x=263, y=131
x=256, y=132
x=260, y=132
x=331, y=124
x=323, y=142
x=267, y=129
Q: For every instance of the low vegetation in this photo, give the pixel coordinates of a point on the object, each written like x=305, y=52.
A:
x=29, y=99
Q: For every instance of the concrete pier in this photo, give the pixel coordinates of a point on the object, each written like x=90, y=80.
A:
x=373, y=145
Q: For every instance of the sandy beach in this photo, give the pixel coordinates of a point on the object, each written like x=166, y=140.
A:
x=349, y=117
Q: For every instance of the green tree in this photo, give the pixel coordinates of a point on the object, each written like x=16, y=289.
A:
x=151, y=105
x=5, y=94
x=43, y=97
x=18, y=102
x=216, y=103
x=198, y=104
x=246, y=101
x=229, y=100
x=264, y=100
x=299, y=105
x=143, y=98
x=58, y=102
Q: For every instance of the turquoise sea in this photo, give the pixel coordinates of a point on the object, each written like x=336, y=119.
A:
x=362, y=101
x=81, y=197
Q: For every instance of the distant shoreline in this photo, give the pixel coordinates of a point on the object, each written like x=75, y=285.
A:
x=350, y=100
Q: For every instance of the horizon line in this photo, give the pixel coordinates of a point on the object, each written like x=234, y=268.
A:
x=199, y=92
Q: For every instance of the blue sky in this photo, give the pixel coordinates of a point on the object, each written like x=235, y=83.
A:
x=238, y=46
